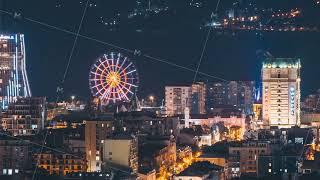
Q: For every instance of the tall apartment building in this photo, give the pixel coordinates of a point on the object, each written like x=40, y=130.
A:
x=24, y=117
x=177, y=98
x=217, y=94
x=96, y=132
x=14, y=156
x=13, y=74
x=121, y=150
x=239, y=94
x=281, y=92
x=198, y=98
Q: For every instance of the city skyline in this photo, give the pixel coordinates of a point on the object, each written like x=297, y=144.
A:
x=43, y=57
x=159, y=89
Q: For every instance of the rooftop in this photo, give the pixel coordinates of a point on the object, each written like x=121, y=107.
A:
x=282, y=63
x=200, y=169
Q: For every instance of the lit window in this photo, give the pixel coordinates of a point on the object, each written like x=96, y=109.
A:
x=16, y=171
x=285, y=170
x=4, y=171
x=9, y=171
x=269, y=170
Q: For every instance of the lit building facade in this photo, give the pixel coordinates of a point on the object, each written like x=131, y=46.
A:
x=281, y=92
x=14, y=156
x=198, y=105
x=121, y=150
x=25, y=117
x=216, y=95
x=95, y=133
x=239, y=94
x=177, y=98
x=13, y=74
x=60, y=163
x=244, y=158
x=160, y=155
x=257, y=111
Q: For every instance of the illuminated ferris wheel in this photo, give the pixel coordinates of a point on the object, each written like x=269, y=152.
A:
x=113, y=78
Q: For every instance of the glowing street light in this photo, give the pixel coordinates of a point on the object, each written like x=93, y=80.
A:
x=151, y=98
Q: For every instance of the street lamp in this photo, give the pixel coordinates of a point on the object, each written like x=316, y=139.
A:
x=151, y=98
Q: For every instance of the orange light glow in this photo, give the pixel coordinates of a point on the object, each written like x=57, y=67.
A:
x=113, y=79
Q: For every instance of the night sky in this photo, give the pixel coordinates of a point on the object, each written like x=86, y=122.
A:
x=175, y=36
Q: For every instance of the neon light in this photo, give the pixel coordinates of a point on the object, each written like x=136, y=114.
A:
x=6, y=37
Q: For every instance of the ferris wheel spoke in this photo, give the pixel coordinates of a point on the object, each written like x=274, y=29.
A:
x=126, y=68
x=106, y=94
x=117, y=63
x=123, y=93
x=112, y=62
x=128, y=83
x=124, y=60
x=104, y=66
x=123, y=86
x=108, y=65
x=97, y=67
x=129, y=72
x=95, y=73
x=100, y=84
x=99, y=91
x=97, y=76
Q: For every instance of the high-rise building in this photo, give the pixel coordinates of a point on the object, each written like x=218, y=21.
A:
x=177, y=98
x=198, y=98
x=281, y=92
x=24, y=117
x=238, y=94
x=216, y=95
x=13, y=74
x=121, y=150
x=241, y=94
x=96, y=132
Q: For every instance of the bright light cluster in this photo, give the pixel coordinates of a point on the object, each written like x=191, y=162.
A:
x=113, y=78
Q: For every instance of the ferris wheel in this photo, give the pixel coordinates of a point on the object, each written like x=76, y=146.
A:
x=113, y=78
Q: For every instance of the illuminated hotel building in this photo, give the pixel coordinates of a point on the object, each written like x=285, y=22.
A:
x=281, y=92
x=13, y=75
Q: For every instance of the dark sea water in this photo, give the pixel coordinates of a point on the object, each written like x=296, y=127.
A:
x=176, y=38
